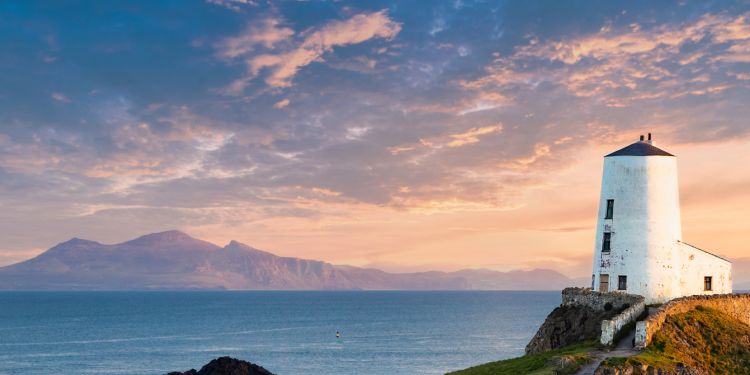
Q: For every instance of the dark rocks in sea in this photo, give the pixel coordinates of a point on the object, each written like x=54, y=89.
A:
x=227, y=366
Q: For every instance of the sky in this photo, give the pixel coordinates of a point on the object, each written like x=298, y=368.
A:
x=402, y=135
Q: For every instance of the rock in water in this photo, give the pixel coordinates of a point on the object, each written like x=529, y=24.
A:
x=227, y=366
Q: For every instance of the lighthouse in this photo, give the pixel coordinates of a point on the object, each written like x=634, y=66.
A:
x=639, y=247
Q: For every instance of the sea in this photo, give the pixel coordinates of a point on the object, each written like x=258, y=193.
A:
x=286, y=332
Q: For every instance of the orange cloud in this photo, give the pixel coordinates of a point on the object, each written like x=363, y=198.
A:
x=471, y=136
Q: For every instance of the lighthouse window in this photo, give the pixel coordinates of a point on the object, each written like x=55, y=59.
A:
x=610, y=208
x=707, y=283
x=607, y=239
x=622, y=283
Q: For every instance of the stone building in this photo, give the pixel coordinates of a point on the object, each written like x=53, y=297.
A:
x=639, y=246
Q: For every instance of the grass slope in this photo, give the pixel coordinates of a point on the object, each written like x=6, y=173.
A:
x=535, y=364
x=704, y=339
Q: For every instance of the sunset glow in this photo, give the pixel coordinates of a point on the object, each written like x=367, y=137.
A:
x=399, y=136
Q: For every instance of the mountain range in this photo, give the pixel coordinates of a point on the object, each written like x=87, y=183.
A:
x=175, y=261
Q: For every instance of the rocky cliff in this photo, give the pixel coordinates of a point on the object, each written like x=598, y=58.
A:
x=578, y=318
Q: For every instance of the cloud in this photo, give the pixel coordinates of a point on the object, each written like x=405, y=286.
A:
x=230, y=4
x=282, y=103
x=411, y=126
x=471, y=136
x=481, y=106
x=266, y=33
x=61, y=97
x=308, y=47
x=619, y=65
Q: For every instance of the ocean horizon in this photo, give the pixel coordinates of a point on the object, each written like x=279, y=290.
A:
x=286, y=332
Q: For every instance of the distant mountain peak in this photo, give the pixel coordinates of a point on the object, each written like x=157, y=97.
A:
x=79, y=241
x=239, y=245
x=235, y=244
x=162, y=237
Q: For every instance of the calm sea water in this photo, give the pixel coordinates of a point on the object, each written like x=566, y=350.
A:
x=288, y=333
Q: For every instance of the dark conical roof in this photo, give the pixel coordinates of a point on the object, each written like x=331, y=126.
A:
x=640, y=149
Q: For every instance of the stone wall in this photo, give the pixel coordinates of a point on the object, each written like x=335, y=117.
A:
x=736, y=305
x=611, y=327
x=597, y=300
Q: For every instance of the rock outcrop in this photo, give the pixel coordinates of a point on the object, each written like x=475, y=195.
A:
x=227, y=366
x=566, y=325
x=578, y=318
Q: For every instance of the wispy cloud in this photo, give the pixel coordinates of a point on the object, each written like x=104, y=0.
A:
x=471, y=136
x=232, y=4
x=340, y=122
x=60, y=96
x=307, y=48
x=620, y=65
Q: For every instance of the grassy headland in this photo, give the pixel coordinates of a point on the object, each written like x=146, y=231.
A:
x=536, y=364
x=704, y=339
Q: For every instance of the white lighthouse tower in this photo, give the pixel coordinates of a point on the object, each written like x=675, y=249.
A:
x=639, y=246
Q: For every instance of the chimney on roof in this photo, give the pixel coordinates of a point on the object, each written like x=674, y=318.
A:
x=641, y=138
x=649, y=139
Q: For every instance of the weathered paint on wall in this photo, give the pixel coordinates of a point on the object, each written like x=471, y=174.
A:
x=697, y=264
x=646, y=233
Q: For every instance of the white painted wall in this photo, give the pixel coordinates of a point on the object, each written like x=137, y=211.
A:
x=645, y=226
x=696, y=264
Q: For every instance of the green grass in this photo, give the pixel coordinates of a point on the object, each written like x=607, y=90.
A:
x=703, y=338
x=535, y=364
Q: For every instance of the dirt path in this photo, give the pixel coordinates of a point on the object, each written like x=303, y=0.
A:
x=624, y=349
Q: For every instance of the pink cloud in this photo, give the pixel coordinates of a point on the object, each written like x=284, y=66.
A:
x=620, y=63
x=285, y=64
x=267, y=33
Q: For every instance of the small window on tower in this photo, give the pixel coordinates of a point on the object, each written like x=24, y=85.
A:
x=622, y=283
x=607, y=239
x=610, y=208
x=707, y=283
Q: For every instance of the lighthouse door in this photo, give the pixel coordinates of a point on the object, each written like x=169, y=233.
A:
x=604, y=283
